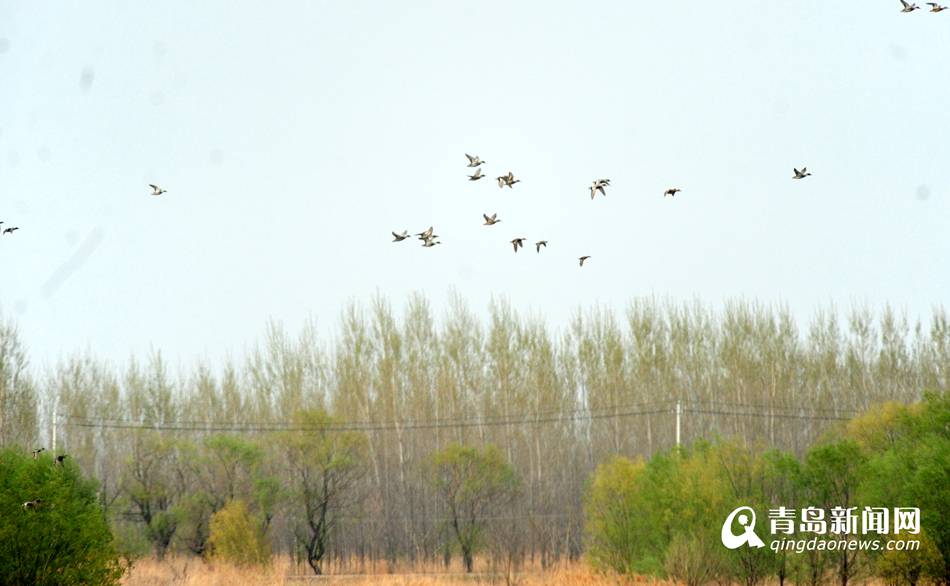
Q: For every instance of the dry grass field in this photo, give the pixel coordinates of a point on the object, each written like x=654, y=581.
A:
x=195, y=572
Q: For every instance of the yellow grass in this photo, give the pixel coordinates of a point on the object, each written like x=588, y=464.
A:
x=183, y=571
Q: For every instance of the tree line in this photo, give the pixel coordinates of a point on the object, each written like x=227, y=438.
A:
x=364, y=414
x=663, y=516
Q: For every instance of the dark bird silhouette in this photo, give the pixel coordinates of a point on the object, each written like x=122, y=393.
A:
x=478, y=175
x=37, y=452
x=156, y=190
x=540, y=243
x=11, y=230
x=491, y=220
x=518, y=243
x=400, y=237
x=582, y=259
x=934, y=7
x=61, y=458
x=672, y=191
x=909, y=7
x=800, y=174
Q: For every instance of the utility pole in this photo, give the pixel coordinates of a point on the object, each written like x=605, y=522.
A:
x=679, y=412
x=55, y=424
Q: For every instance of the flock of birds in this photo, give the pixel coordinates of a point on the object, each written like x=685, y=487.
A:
x=428, y=236
x=34, y=504
x=910, y=7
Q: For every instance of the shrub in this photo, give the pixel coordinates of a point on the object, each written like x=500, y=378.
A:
x=63, y=540
x=238, y=537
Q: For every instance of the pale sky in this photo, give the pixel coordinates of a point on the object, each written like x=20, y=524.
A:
x=294, y=136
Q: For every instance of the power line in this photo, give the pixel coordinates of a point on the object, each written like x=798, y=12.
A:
x=766, y=414
x=383, y=426
x=482, y=419
x=833, y=410
x=570, y=416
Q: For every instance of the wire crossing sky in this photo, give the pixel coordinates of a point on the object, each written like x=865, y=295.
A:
x=292, y=138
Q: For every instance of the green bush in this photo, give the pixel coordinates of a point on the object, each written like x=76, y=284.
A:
x=63, y=540
x=238, y=537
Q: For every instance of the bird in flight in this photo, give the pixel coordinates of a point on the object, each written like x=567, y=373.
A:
x=508, y=180
x=428, y=238
x=582, y=259
x=599, y=185
x=491, y=220
x=909, y=7
x=11, y=230
x=540, y=243
x=478, y=175
x=518, y=243
x=156, y=190
x=934, y=7
x=33, y=504
x=37, y=452
x=672, y=192
x=473, y=160
x=801, y=174
x=400, y=237
x=61, y=458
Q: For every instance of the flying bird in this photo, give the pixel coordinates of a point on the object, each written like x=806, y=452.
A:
x=473, y=160
x=909, y=7
x=430, y=242
x=801, y=174
x=518, y=243
x=478, y=175
x=491, y=220
x=508, y=180
x=540, y=243
x=61, y=458
x=400, y=237
x=32, y=504
x=11, y=230
x=599, y=185
x=425, y=234
x=672, y=192
x=156, y=190
x=37, y=452
x=582, y=259
x=934, y=7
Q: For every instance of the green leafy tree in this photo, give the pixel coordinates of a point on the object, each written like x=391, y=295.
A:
x=615, y=531
x=472, y=482
x=912, y=469
x=907, y=567
x=149, y=484
x=222, y=468
x=324, y=467
x=832, y=473
x=52, y=530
